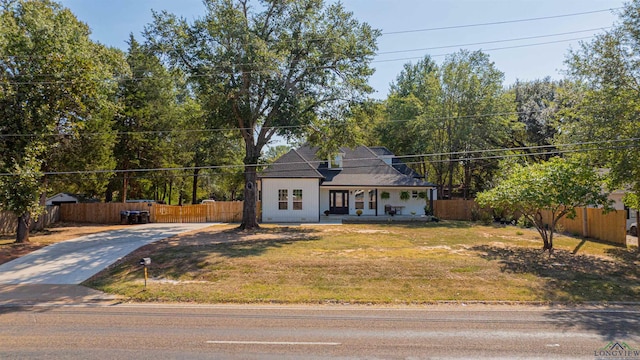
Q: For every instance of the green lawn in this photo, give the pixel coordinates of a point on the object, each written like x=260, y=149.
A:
x=378, y=264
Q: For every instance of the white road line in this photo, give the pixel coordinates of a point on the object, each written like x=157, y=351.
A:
x=273, y=343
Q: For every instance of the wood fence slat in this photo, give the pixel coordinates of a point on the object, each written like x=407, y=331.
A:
x=456, y=209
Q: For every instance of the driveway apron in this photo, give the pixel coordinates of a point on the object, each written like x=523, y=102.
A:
x=74, y=261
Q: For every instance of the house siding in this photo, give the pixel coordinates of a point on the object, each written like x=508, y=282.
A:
x=270, y=201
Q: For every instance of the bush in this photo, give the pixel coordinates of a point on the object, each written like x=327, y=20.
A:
x=483, y=216
x=523, y=222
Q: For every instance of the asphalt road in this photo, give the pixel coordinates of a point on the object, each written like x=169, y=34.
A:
x=324, y=332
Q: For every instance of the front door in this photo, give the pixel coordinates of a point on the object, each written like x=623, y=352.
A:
x=339, y=202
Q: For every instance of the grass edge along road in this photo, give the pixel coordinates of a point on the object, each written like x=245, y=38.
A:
x=375, y=264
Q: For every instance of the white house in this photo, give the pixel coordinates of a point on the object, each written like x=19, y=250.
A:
x=300, y=187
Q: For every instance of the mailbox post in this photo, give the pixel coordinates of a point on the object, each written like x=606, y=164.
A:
x=145, y=262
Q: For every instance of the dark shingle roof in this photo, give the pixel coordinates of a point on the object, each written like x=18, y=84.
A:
x=290, y=165
x=361, y=166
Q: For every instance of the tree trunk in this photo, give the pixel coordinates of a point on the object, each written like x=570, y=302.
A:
x=548, y=240
x=108, y=193
x=22, y=235
x=467, y=180
x=125, y=186
x=194, y=191
x=249, y=216
x=450, y=182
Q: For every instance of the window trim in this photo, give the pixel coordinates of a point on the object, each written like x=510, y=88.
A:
x=297, y=199
x=283, y=204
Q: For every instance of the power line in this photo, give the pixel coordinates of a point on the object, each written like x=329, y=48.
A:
x=493, y=41
x=553, y=149
x=500, y=22
x=178, y=131
x=222, y=68
x=231, y=129
x=491, y=49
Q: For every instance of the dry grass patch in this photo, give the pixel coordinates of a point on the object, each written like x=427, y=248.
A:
x=382, y=264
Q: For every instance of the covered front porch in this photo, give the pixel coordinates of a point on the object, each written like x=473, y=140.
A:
x=385, y=202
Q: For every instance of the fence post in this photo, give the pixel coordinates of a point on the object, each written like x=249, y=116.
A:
x=585, y=223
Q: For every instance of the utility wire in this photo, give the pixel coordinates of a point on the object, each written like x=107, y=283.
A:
x=133, y=78
x=493, y=41
x=554, y=149
x=221, y=69
x=232, y=129
x=490, y=49
x=500, y=22
x=178, y=131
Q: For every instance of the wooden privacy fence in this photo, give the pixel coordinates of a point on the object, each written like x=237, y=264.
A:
x=9, y=222
x=97, y=213
x=609, y=227
x=457, y=209
x=109, y=213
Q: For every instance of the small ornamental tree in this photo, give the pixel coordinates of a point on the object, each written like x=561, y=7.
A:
x=17, y=191
x=557, y=186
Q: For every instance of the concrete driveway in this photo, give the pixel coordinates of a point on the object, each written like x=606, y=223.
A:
x=73, y=261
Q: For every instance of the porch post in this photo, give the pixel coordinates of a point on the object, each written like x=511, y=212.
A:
x=377, y=201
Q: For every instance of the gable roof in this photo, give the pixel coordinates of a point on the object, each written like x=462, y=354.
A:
x=291, y=165
x=361, y=166
x=395, y=162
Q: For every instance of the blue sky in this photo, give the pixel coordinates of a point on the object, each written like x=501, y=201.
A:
x=111, y=22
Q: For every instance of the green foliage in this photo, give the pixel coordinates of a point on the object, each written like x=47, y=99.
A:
x=632, y=200
x=18, y=187
x=557, y=186
x=384, y=195
x=605, y=102
x=404, y=195
x=443, y=110
x=537, y=105
x=275, y=152
x=54, y=88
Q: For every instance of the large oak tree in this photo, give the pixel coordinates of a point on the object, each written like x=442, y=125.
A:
x=271, y=67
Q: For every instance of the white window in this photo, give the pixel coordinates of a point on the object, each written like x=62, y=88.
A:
x=359, y=199
x=297, y=199
x=283, y=199
x=414, y=194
